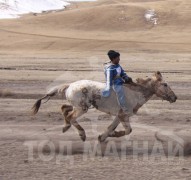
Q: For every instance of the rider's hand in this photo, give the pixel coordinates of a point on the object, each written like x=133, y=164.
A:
x=128, y=80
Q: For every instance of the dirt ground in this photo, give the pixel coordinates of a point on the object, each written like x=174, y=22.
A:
x=38, y=52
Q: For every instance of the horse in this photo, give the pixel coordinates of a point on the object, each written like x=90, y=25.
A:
x=84, y=94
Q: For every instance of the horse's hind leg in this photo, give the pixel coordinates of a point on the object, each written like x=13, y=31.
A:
x=65, y=111
x=72, y=117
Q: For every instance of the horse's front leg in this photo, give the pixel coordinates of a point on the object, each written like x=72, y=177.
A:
x=124, y=119
x=109, y=130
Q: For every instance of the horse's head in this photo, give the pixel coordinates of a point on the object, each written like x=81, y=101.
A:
x=162, y=89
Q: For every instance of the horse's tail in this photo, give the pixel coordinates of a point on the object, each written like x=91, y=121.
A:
x=52, y=92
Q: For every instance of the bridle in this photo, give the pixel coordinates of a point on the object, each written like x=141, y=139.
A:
x=160, y=92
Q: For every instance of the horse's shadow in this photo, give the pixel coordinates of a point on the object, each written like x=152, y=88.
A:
x=110, y=148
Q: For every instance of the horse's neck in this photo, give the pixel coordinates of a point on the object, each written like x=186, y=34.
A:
x=147, y=94
x=142, y=94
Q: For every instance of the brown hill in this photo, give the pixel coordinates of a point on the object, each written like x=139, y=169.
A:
x=101, y=23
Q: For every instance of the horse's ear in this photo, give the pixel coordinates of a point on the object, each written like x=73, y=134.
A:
x=143, y=81
x=158, y=76
x=139, y=80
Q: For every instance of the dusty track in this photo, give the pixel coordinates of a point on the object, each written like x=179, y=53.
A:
x=88, y=39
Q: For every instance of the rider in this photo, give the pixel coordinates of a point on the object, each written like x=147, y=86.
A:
x=115, y=78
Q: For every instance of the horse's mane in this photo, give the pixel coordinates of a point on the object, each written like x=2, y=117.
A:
x=140, y=84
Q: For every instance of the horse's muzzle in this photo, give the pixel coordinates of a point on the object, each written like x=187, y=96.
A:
x=172, y=99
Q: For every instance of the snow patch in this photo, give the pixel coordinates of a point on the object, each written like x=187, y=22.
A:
x=14, y=8
x=151, y=16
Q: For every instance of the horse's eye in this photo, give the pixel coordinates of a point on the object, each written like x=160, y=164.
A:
x=165, y=84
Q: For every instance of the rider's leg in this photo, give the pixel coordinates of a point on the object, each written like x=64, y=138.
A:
x=119, y=90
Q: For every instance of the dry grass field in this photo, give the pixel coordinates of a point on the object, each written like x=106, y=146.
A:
x=43, y=50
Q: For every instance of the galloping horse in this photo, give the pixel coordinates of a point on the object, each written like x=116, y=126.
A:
x=83, y=94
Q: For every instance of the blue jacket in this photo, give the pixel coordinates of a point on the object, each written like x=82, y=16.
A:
x=115, y=75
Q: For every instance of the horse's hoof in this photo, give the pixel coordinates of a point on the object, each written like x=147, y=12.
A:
x=83, y=137
x=99, y=139
x=64, y=130
x=131, y=130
